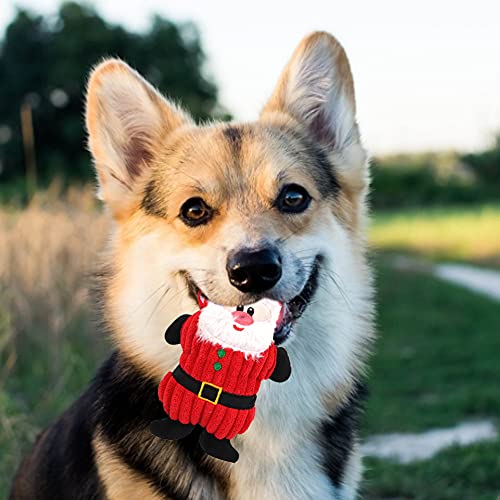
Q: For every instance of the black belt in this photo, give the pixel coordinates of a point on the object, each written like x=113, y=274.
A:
x=213, y=393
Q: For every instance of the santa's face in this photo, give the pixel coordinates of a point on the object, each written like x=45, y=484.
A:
x=249, y=329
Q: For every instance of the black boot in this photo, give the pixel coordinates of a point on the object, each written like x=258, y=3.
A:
x=218, y=448
x=170, y=429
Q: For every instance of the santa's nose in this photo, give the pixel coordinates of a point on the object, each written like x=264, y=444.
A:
x=242, y=318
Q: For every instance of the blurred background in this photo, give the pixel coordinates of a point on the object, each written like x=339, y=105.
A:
x=428, y=89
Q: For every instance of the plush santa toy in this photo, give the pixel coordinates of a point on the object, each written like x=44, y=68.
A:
x=226, y=353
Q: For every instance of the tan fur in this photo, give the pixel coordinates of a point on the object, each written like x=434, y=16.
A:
x=334, y=399
x=122, y=482
x=119, y=481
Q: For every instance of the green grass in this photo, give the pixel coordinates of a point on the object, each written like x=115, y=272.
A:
x=468, y=473
x=39, y=386
x=470, y=234
x=436, y=364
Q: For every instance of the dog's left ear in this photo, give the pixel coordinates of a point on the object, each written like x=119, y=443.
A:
x=316, y=90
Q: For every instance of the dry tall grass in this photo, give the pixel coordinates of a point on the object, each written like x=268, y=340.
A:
x=48, y=348
x=46, y=253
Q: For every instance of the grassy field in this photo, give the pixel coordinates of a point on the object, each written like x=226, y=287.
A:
x=436, y=362
x=436, y=365
x=470, y=234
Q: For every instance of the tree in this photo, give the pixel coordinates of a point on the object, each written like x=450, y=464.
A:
x=486, y=164
x=45, y=62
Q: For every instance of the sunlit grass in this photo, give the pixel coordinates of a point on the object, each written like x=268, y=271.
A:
x=435, y=366
x=457, y=473
x=46, y=252
x=463, y=233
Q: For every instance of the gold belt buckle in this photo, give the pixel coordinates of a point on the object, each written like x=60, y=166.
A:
x=219, y=392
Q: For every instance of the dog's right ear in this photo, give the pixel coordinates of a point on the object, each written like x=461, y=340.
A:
x=126, y=120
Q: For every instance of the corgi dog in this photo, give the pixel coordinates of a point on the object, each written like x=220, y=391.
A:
x=239, y=212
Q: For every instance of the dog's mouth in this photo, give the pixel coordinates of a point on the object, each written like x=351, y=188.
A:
x=294, y=308
x=291, y=310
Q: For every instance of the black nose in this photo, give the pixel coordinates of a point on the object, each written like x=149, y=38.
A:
x=254, y=271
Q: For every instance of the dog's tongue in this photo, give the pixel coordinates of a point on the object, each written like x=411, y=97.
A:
x=202, y=300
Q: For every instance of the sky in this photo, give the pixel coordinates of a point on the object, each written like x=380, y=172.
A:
x=427, y=73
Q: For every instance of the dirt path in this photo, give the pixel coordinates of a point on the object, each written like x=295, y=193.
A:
x=485, y=281
x=478, y=279
x=406, y=448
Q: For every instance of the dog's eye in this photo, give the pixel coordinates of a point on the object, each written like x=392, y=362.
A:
x=195, y=212
x=250, y=311
x=239, y=308
x=293, y=199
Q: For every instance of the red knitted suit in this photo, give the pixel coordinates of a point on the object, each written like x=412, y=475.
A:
x=238, y=375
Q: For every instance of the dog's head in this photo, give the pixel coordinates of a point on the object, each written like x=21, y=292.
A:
x=270, y=209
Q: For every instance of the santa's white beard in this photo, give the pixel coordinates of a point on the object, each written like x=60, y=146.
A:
x=215, y=325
